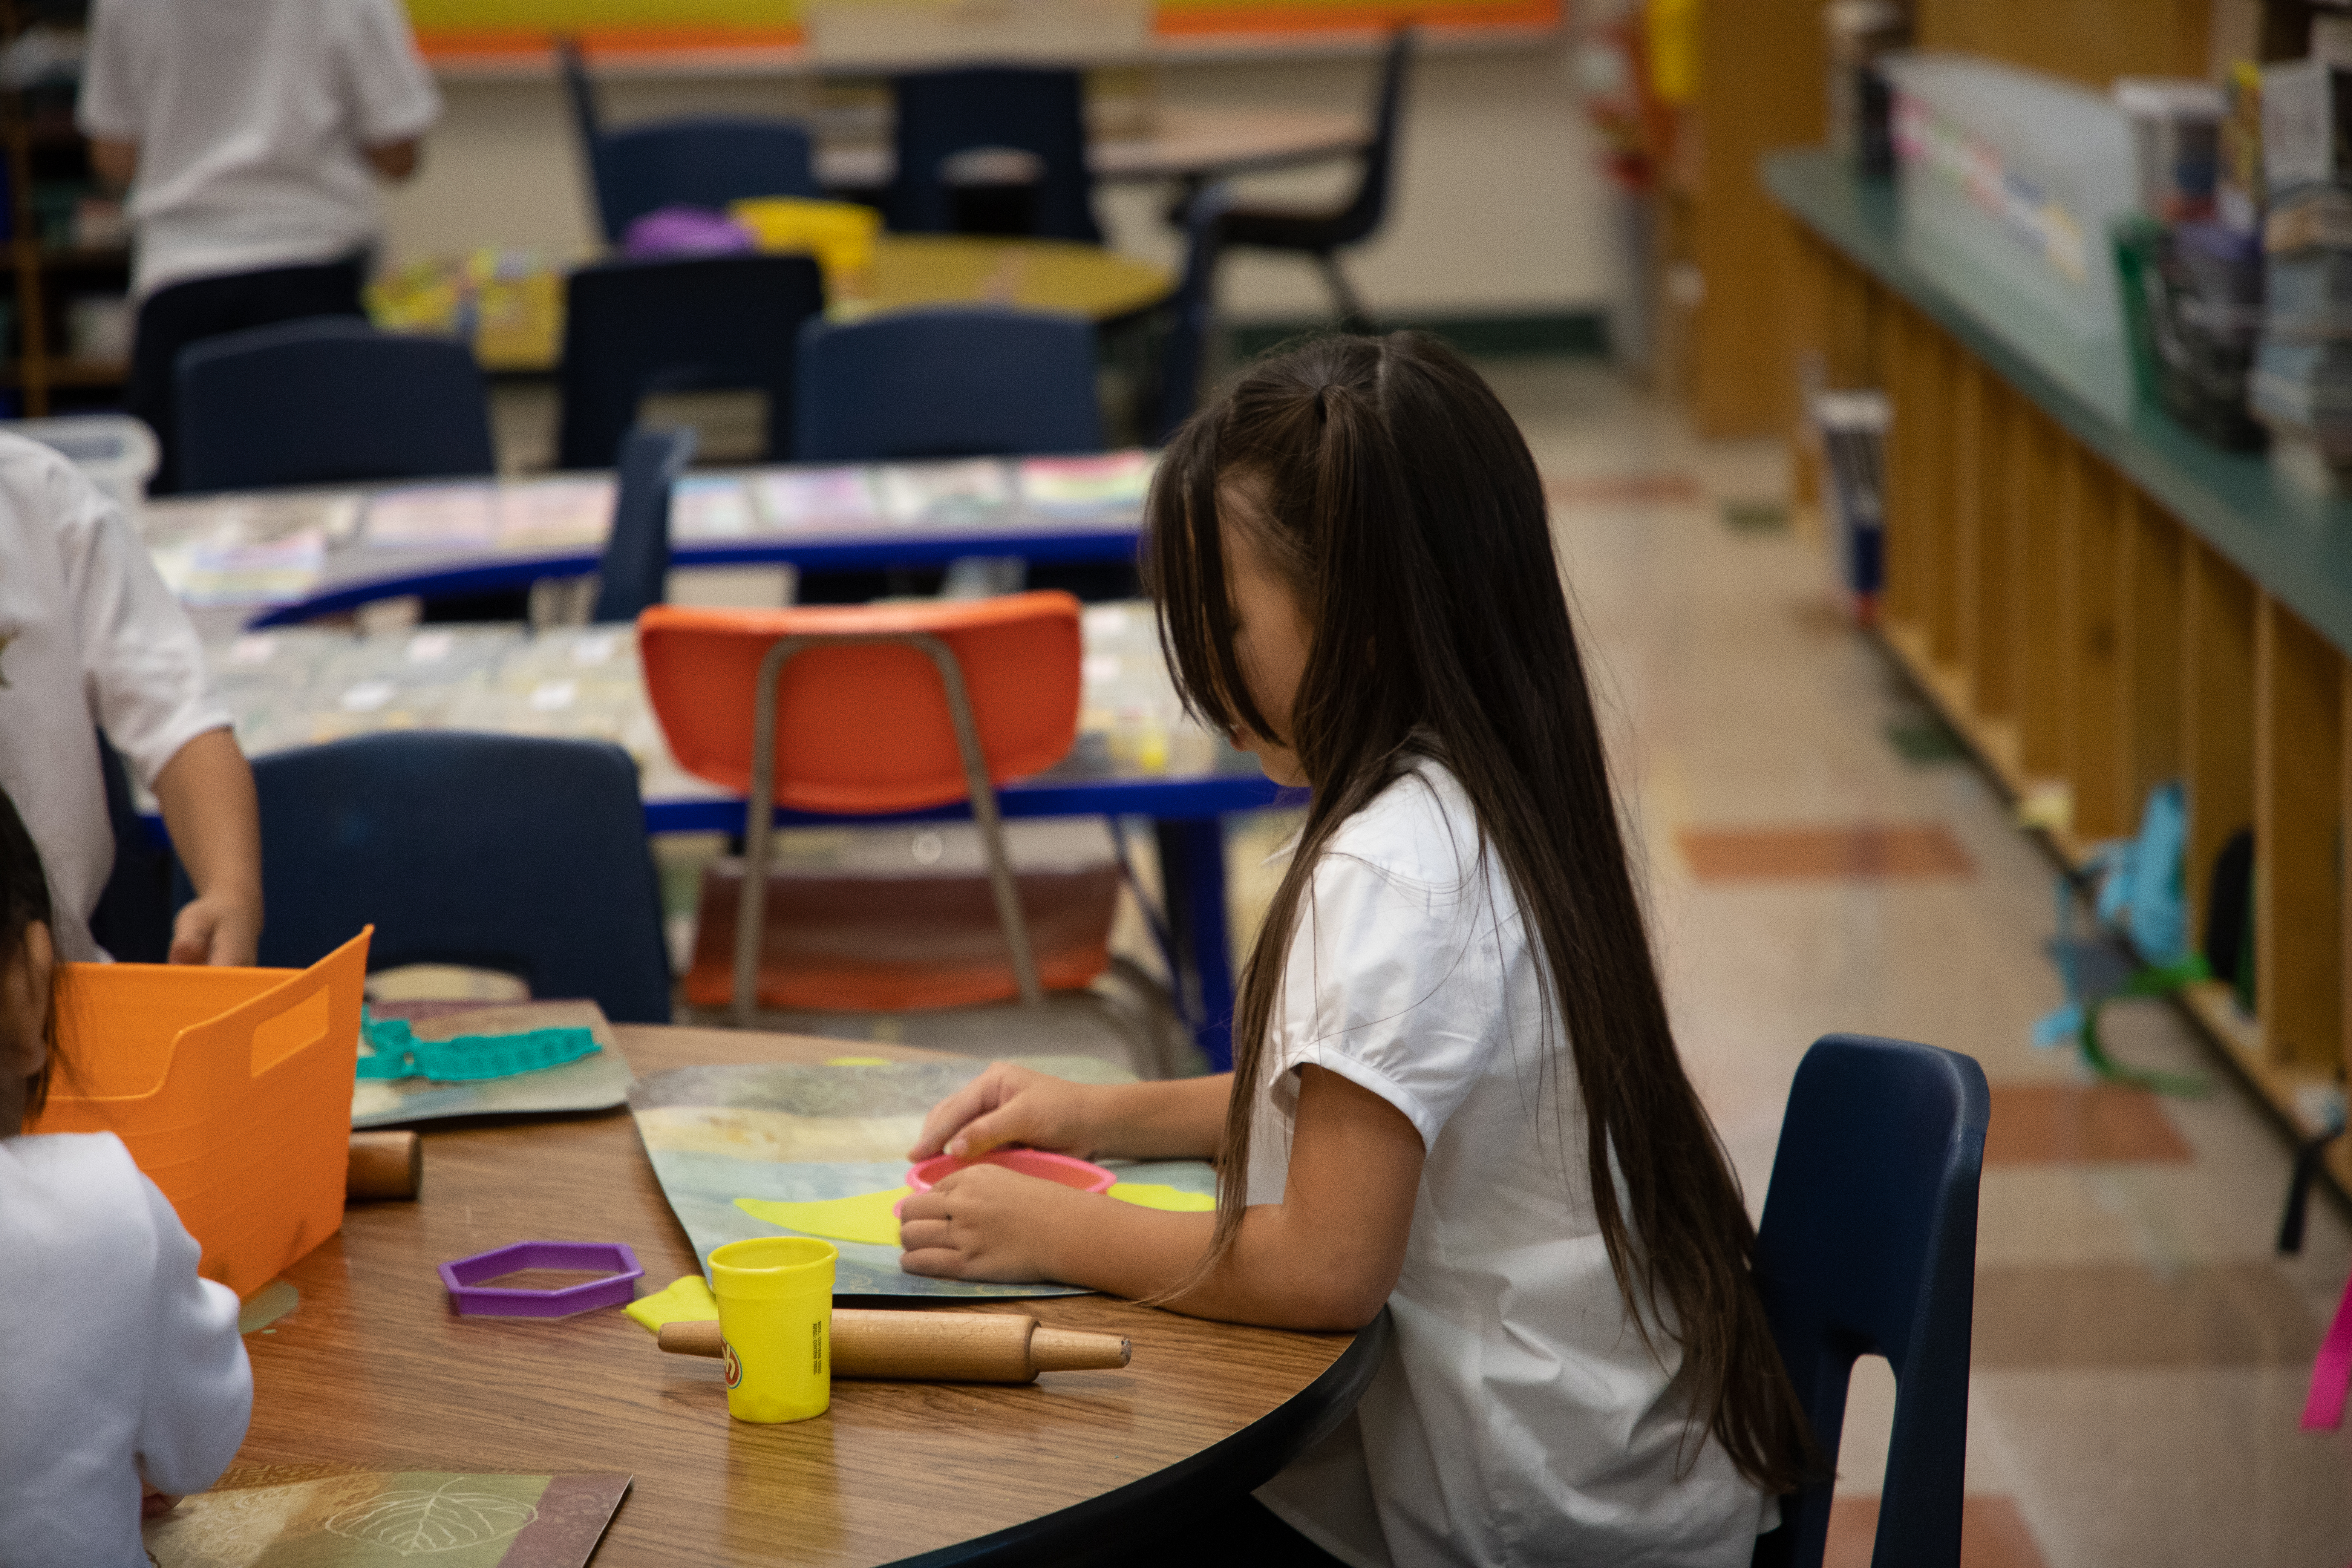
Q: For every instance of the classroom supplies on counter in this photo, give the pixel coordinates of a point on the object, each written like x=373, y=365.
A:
x=746, y=1151
x=228, y=1087
x=469, y=1280
x=935, y=1347
x=324, y=1516
x=534, y=1050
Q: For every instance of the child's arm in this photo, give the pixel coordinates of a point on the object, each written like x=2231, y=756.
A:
x=199, y=1395
x=1325, y=1257
x=207, y=793
x=1180, y=1120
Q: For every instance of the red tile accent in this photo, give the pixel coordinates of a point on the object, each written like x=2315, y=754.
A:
x=1869, y=850
x=1992, y=1534
x=2062, y=1124
x=1601, y=490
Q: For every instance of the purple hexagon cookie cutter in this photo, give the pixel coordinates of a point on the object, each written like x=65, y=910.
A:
x=476, y=1299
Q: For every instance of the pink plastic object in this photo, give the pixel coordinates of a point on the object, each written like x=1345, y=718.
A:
x=1079, y=1174
x=475, y=1299
x=2331, y=1371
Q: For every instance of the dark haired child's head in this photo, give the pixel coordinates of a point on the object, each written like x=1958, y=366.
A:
x=28, y=965
x=1383, y=487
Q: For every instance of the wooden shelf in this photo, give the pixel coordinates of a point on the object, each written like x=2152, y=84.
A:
x=70, y=372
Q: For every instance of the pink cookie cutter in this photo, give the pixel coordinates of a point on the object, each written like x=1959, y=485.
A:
x=465, y=1279
x=1082, y=1175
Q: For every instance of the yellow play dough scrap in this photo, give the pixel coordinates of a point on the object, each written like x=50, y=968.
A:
x=865, y=1217
x=1153, y=1195
x=686, y=1300
x=749, y=1133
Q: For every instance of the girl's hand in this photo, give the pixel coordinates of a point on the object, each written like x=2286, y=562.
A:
x=154, y=1504
x=221, y=927
x=986, y=1222
x=1010, y=1104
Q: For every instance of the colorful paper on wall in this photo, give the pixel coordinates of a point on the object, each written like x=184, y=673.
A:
x=553, y=514
x=710, y=506
x=1108, y=487
x=804, y=500
x=940, y=495
x=307, y=1516
x=454, y=517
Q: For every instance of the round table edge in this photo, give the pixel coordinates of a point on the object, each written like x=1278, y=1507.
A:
x=1242, y=1462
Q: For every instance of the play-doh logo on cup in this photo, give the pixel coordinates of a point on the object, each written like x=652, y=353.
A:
x=734, y=1365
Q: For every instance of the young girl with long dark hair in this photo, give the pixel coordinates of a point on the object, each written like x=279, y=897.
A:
x=118, y=1364
x=1455, y=1089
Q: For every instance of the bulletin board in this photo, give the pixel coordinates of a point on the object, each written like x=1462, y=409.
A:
x=458, y=29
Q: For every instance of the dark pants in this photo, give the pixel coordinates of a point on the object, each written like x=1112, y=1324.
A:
x=182, y=313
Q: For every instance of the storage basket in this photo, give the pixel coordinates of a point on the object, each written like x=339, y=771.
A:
x=231, y=1087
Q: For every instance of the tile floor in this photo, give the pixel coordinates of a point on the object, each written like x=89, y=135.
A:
x=2140, y=1355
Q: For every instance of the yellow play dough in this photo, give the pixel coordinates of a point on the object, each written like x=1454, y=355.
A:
x=1153, y=1195
x=686, y=1301
x=865, y=1217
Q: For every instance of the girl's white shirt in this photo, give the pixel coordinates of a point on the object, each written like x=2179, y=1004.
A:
x=115, y=1358
x=1519, y=1418
x=89, y=636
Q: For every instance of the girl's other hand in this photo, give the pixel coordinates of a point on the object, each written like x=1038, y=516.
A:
x=986, y=1222
x=154, y=1504
x=1008, y=1104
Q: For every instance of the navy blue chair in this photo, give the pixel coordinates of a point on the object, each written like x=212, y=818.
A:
x=1038, y=112
x=1868, y=1246
x=1192, y=307
x=634, y=572
x=640, y=325
x=956, y=382
x=1323, y=234
x=504, y=852
x=699, y=161
x=329, y=401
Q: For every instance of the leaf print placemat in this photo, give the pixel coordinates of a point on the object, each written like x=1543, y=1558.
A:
x=286, y=1516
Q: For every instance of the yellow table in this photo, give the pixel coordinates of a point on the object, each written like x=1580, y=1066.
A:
x=516, y=303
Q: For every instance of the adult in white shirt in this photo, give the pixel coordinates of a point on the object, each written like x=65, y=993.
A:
x=251, y=133
x=92, y=638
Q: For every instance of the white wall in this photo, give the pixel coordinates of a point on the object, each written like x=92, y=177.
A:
x=1500, y=207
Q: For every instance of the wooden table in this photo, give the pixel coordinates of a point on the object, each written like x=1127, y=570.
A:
x=912, y=270
x=375, y=1369
x=1185, y=143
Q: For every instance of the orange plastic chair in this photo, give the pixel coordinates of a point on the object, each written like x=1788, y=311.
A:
x=868, y=710
x=231, y=1089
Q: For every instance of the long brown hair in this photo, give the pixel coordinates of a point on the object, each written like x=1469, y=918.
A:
x=1390, y=487
x=24, y=898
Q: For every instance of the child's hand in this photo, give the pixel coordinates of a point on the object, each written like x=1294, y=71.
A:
x=1010, y=1104
x=986, y=1222
x=154, y=1504
x=220, y=927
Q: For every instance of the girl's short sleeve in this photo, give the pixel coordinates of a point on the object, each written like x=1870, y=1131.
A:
x=1398, y=974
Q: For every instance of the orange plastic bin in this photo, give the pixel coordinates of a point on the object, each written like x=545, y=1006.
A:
x=231, y=1087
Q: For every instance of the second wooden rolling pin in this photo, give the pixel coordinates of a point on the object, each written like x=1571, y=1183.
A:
x=938, y=1347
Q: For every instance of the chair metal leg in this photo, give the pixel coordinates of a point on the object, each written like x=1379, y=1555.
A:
x=984, y=814
x=1351, y=305
x=759, y=814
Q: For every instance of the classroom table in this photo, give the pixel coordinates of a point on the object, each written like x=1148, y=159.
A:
x=358, y=566
x=519, y=310
x=1135, y=756
x=375, y=1370
x=1183, y=143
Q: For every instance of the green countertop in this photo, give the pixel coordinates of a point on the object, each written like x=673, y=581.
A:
x=2294, y=542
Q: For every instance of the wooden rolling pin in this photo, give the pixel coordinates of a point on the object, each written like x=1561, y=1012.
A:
x=384, y=1166
x=938, y=1347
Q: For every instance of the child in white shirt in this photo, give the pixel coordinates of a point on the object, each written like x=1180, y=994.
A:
x=1455, y=1092
x=251, y=134
x=91, y=636
x=118, y=1364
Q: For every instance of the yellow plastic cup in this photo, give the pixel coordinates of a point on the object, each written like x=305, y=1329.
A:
x=776, y=1319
